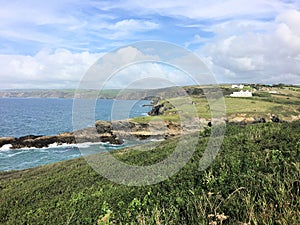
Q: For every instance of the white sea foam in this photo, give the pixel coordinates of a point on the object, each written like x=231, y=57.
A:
x=56, y=145
x=157, y=140
x=5, y=147
x=87, y=144
x=13, y=154
x=53, y=145
x=78, y=145
x=26, y=148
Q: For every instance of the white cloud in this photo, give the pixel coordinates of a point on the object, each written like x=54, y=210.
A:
x=60, y=69
x=66, y=24
x=131, y=24
x=135, y=67
x=288, y=30
x=128, y=28
x=197, y=39
x=203, y=9
x=64, y=69
x=149, y=75
x=268, y=56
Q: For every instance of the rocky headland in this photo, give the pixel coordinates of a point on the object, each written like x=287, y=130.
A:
x=116, y=132
x=112, y=132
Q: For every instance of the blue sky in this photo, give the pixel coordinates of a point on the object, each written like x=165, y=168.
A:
x=51, y=44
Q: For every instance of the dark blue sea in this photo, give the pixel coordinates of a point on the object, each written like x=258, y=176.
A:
x=46, y=116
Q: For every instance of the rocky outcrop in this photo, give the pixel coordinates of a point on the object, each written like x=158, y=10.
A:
x=113, y=132
x=31, y=141
x=157, y=110
x=160, y=109
x=130, y=130
x=91, y=134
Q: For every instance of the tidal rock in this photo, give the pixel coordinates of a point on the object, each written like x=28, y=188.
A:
x=85, y=135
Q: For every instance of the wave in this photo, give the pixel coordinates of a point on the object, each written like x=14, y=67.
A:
x=156, y=140
x=6, y=147
x=57, y=145
x=13, y=154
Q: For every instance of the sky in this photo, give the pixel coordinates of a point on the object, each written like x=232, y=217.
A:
x=52, y=44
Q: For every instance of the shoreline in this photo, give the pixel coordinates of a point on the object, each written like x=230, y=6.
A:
x=116, y=132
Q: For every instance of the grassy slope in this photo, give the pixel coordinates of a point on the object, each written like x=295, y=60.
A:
x=284, y=104
x=255, y=179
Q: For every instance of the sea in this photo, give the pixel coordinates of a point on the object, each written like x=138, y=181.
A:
x=51, y=116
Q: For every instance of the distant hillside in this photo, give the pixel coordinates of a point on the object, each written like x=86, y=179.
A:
x=71, y=93
x=107, y=93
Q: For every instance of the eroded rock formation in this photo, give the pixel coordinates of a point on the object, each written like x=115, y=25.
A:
x=113, y=132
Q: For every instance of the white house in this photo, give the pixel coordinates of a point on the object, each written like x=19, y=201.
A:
x=240, y=86
x=241, y=94
x=273, y=92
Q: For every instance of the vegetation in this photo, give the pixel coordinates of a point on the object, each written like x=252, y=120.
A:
x=261, y=105
x=253, y=180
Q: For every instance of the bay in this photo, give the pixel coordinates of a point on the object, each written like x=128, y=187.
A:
x=45, y=116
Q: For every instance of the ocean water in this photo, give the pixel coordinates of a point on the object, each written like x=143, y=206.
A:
x=44, y=116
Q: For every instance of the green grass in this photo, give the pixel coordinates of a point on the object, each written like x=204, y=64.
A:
x=248, y=105
x=254, y=180
x=284, y=105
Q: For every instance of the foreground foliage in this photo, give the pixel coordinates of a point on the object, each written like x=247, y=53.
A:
x=253, y=180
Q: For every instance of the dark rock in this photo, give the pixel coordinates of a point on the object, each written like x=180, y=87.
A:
x=262, y=120
x=160, y=109
x=156, y=110
x=103, y=127
x=85, y=135
x=275, y=119
x=29, y=137
x=6, y=140
x=194, y=91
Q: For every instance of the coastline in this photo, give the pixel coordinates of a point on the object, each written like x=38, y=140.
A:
x=116, y=132
x=163, y=120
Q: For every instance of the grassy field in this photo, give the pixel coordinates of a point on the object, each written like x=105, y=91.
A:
x=253, y=180
x=281, y=105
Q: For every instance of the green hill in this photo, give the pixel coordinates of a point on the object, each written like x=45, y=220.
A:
x=253, y=180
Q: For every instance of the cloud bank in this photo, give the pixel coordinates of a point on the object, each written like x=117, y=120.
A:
x=266, y=52
x=46, y=69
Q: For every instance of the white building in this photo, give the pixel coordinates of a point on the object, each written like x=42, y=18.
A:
x=240, y=86
x=273, y=92
x=241, y=94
